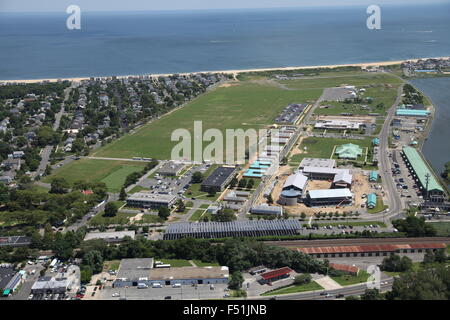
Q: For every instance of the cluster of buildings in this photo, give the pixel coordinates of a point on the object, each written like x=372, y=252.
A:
x=430, y=65
x=139, y=272
x=10, y=280
x=295, y=187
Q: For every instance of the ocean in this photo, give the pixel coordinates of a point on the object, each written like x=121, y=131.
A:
x=437, y=148
x=38, y=45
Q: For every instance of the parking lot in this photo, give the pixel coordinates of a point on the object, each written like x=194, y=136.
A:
x=219, y=291
x=406, y=186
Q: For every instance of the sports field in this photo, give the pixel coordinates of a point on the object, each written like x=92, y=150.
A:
x=112, y=173
x=323, y=147
x=251, y=104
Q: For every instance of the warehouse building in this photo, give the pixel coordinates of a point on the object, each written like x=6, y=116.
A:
x=320, y=173
x=267, y=210
x=250, y=228
x=343, y=179
x=171, y=168
x=329, y=197
x=412, y=113
x=421, y=173
x=50, y=285
x=371, y=250
x=296, y=182
x=150, y=200
x=338, y=125
x=219, y=179
x=111, y=237
x=349, y=151
x=317, y=163
x=9, y=281
x=133, y=272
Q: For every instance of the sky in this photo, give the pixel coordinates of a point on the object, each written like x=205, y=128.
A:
x=152, y=5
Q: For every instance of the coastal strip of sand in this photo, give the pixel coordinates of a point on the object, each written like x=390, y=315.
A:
x=233, y=72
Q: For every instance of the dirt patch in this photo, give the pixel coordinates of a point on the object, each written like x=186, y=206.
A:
x=137, y=217
x=228, y=84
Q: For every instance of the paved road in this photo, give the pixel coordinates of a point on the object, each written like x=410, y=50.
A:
x=394, y=200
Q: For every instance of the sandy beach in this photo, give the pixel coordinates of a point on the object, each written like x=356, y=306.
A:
x=233, y=72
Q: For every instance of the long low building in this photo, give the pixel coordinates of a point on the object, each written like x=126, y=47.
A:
x=338, y=125
x=250, y=228
x=133, y=272
x=52, y=285
x=112, y=237
x=328, y=197
x=370, y=250
x=217, y=180
x=151, y=200
x=423, y=175
x=267, y=210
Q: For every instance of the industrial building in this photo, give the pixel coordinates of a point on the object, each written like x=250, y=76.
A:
x=412, y=113
x=111, y=237
x=289, y=197
x=338, y=125
x=250, y=228
x=343, y=179
x=218, y=180
x=133, y=272
x=320, y=173
x=329, y=197
x=50, y=285
x=317, y=163
x=267, y=210
x=349, y=151
x=371, y=250
x=296, y=182
x=9, y=280
x=171, y=168
x=421, y=173
x=150, y=200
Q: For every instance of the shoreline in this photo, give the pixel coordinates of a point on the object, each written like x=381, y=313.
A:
x=232, y=72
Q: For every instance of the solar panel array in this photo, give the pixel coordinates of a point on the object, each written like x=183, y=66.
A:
x=250, y=228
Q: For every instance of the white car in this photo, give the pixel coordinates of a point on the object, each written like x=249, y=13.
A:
x=115, y=295
x=30, y=262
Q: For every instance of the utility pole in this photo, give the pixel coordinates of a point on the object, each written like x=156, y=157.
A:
x=427, y=181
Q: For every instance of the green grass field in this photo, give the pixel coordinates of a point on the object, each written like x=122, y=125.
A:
x=379, y=207
x=312, y=286
x=245, y=105
x=176, y=263
x=120, y=218
x=112, y=173
x=347, y=280
x=197, y=215
x=323, y=147
x=442, y=228
x=199, y=263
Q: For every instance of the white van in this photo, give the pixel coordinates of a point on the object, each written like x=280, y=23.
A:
x=142, y=286
x=156, y=285
x=176, y=285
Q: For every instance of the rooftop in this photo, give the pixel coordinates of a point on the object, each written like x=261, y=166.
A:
x=330, y=193
x=113, y=235
x=183, y=273
x=297, y=180
x=135, y=268
x=219, y=176
x=148, y=196
x=317, y=162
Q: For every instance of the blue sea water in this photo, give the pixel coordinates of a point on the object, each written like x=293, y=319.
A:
x=38, y=45
x=437, y=148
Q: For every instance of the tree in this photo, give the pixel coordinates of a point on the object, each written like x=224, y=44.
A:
x=236, y=281
x=48, y=170
x=233, y=182
x=394, y=263
x=94, y=260
x=269, y=199
x=197, y=177
x=59, y=186
x=85, y=275
x=123, y=194
x=415, y=227
x=180, y=206
x=303, y=216
x=372, y=294
x=250, y=184
x=163, y=213
x=302, y=279
x=242, y=183
x=211, y=193
x=110, y=209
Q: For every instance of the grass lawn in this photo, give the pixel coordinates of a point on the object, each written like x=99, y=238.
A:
x=323, y=147
x=442, y=228
x=120, y=218
x=347, y=280
x=137, y=189
x=379, y=207
x=204, y=206
x=111, y=265
x=244, y=105
x=189, y=204
x=176, y=263
x=113, y=173
x=295, y=288
x=197, y=215
x=199, y=263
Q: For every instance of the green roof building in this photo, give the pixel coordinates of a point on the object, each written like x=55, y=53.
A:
x=420, y=170
x=375, y=141
x=349, y=151
x=373, y=176
x=371, y=200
